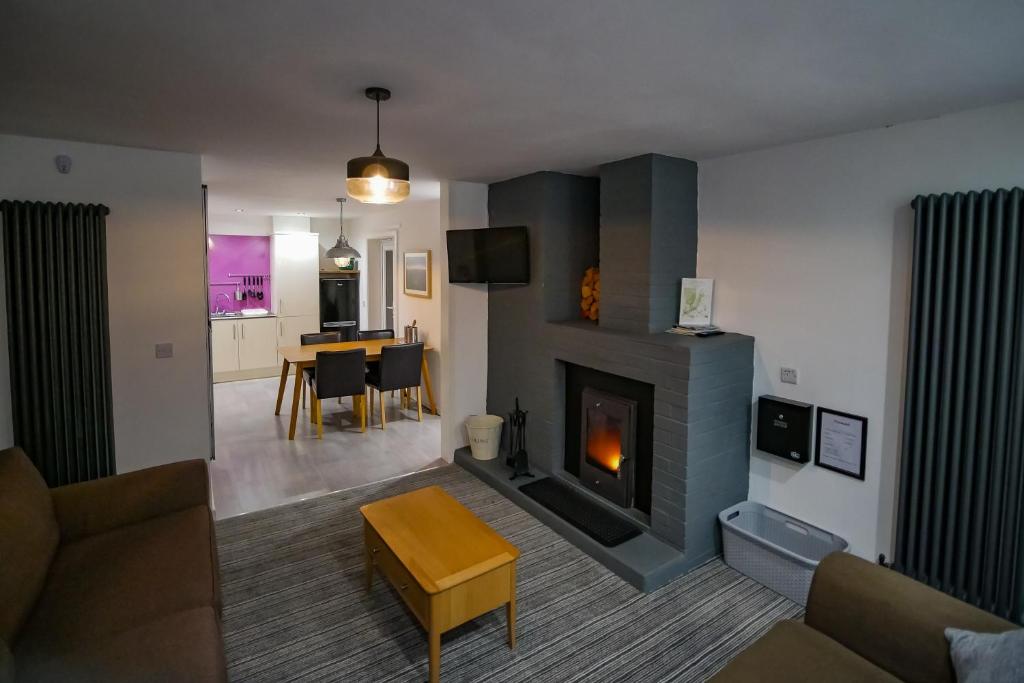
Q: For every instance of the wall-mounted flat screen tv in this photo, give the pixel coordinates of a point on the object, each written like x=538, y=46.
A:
x=495, y=255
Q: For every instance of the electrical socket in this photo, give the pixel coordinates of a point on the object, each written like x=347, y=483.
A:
x=165, y=350
x=788, y=376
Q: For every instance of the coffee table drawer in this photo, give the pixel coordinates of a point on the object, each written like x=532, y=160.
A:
x=415, y=597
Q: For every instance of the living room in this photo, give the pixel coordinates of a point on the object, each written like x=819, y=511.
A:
x=843, y=191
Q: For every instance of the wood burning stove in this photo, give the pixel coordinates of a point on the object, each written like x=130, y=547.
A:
x=607, y=445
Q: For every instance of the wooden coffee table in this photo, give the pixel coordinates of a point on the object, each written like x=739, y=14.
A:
x=448, y=565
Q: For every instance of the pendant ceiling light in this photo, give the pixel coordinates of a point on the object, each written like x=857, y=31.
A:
x=378, y=179
x=341, y=249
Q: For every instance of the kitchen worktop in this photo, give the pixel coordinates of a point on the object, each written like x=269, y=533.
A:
x=242, y=317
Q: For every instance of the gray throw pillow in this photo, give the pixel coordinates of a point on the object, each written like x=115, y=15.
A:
x=986, y=657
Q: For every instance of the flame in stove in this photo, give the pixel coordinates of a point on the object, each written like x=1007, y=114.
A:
x=604, y=447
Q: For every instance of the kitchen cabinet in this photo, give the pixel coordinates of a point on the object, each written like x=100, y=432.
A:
x=224, y=345
x=243, y=344
x=257, y=343
x=290, y=327
x=295, y=268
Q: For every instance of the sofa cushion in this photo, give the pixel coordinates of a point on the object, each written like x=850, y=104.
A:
x=981, y=657
x=184, y=646
x=28, y=539
x=111, y=582
x=795, y=653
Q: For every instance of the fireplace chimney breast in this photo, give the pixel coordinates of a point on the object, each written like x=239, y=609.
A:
x=648, y=240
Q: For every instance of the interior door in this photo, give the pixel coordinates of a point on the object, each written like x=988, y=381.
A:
x=389, y=285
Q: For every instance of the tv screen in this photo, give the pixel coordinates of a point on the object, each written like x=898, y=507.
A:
x=496, y=255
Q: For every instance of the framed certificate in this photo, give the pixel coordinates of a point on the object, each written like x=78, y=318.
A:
x=842, y=442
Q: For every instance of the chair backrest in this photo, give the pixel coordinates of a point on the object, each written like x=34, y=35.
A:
x=340, y=373
x=376, y=334
x=400, y=366
x=320, y=338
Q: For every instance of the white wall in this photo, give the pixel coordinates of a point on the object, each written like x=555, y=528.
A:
x=809, y=246
x=155, y=247
x=464, y=319
x=240, y=224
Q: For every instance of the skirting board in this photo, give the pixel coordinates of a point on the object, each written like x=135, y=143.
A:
x=235, y=375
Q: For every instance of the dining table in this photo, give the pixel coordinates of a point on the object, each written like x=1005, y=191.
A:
x=302, y=357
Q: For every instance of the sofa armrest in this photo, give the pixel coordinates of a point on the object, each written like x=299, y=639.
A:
x=890, y=619
x=100, y=505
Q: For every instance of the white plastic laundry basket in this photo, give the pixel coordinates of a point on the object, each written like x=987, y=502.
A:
x=484, y=435
x=775, y=549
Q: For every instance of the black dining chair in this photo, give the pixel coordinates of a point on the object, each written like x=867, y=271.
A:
x=399, y=368
x=339, y=373
x=308, y=339
x=363, y=335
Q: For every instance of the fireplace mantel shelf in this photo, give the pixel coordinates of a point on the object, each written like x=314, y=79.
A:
x=660, y=339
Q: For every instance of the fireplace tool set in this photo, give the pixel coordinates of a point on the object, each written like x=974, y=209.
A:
x=517, y=458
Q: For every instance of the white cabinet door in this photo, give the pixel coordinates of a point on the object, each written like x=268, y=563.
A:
x=257, y=343
x=224, y=345
x=295, y=273
x=290, y=327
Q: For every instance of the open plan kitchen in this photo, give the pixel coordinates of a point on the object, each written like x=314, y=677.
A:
x=314, y=388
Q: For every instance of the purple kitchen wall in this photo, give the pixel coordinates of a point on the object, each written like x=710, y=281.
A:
x=231, y=257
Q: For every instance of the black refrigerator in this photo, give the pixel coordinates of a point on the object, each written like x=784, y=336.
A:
x=339, y=306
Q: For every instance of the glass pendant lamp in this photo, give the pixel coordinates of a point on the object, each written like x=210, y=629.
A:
x=378, y=179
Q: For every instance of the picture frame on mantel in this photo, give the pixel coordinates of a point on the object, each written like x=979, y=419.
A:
x=842, y=443
x=417, y=270
x=695, y=301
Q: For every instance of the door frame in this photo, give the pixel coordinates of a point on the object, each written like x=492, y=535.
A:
x=384, y=248
x=364, y=283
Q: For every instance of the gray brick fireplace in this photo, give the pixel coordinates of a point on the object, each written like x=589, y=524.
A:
x=639, y=219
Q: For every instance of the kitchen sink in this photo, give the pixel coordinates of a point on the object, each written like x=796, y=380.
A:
x=226, y=315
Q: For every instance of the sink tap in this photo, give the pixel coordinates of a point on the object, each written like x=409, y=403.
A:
x=218, y=309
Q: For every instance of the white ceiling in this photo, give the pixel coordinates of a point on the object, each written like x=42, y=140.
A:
x=270, y=91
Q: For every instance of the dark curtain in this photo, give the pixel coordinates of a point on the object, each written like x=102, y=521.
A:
x=961, y=499
x=56, y=276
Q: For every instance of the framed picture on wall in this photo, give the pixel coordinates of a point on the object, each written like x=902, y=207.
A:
x=842, y=443
x=417, y=273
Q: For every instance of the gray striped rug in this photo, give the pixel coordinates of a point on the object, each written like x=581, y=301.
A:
x=295, y=608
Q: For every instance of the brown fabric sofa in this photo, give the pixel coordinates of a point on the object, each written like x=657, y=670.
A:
x=110, y=580
x=863, y=623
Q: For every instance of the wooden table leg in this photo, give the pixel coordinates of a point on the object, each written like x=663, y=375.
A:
x=368, y=552
x=434, y=636
x=510, y=609
x=295, y=401
x=430, y=388
x=280, y=387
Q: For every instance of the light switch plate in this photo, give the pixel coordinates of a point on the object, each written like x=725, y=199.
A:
x=165, y=350
x=789, y=376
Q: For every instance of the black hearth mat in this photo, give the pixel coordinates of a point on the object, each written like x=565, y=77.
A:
x=601, y=525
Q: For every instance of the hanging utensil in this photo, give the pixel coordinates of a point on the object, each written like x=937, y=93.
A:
x=259, y=294
x=244, y=290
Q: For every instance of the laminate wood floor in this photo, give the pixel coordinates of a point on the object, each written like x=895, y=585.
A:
x=257, y=467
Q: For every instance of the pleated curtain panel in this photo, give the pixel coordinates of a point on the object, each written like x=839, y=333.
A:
x=961, y=493
x=55, y=258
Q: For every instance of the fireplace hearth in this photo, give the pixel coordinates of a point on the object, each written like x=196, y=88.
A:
x=607, y=445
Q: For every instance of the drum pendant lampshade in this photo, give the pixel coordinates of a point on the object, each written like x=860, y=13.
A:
x=378, y=179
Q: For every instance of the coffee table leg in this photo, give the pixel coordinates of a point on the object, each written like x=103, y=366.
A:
x=368, y=553
x=434, y=636
x=510, y=610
